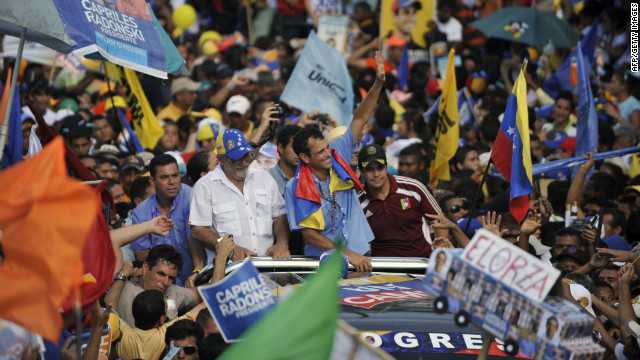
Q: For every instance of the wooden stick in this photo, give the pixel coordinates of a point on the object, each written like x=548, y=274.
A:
x=486, y=343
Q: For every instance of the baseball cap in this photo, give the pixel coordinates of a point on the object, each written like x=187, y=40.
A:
x=625, y=129
x=183, y=83
x=582, y=297
x=371, y=153
x=134, y=162
x=232, y=143
x=563, y=142
x=209, y=129
x=579, y=255
x=395, y=41
x=401, y=4
x=238, y=104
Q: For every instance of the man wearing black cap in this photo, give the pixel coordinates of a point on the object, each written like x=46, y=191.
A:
x=395, y=207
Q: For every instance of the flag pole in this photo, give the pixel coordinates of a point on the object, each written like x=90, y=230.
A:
x=475, y=199
x=113, y=104
x=4, y=123
x=77, y=311
x=247, y=5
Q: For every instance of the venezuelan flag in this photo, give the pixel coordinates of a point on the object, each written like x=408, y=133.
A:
x=308, y=211
x=511, y=152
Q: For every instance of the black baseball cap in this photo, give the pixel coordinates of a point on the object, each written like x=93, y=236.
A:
x=371, y=153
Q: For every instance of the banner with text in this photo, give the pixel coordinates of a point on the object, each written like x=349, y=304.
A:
x=121, y=32
x=238, y=301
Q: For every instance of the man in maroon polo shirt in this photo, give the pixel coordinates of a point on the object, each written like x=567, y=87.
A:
x=394, y=207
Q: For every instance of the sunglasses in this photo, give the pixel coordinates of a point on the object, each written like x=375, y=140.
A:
x=455, y=208
x=188, y=350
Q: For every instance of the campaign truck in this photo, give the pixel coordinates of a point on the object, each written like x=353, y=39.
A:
x=505, y=291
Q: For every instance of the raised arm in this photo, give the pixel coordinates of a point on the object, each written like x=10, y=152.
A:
x=575, y=190
x=363, y=112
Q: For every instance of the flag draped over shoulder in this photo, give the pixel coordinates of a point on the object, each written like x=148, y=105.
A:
x=511, y=152
x=301, y=327
x=45, y=219
x=307, y=199
x=145, y=123
x=321, y=81
x=587, y=129
x=448, y=130
x=13, y=150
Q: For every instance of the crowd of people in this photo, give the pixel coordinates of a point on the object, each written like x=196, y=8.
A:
x=238, y=173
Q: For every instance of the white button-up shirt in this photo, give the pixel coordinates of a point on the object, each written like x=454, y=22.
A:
x=216, y=202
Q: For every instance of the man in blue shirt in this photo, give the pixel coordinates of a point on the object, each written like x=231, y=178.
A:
x=173, y=200
x=321, y=201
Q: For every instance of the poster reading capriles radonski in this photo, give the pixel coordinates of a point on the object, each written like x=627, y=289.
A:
x=238, y=301
x=116, y=29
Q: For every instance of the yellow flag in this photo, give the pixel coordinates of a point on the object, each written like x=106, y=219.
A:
x=144, y=120
x=634, y=168
x=447, y=131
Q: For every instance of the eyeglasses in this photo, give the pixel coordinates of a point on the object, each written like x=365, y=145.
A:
x=455, y=208
x=188, y=350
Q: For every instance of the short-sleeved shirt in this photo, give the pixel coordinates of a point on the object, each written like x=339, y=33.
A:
x=280, y=178
x=178, y=236
x=350, y=225
x=628, y=106
x=179, y=300
x=216, y=202
x=398, y=222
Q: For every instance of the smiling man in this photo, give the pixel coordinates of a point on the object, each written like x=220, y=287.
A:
x=234, y=199
x=159, y=272
x=171, y=199
x=394, y=207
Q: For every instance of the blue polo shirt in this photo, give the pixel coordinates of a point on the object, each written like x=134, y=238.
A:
x=177, y=237
x=350, y=225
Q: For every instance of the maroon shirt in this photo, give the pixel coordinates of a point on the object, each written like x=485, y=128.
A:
x=398, y=223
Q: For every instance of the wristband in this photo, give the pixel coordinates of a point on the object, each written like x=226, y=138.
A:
x=120, y=276
x=196, y=271
x=230, y=86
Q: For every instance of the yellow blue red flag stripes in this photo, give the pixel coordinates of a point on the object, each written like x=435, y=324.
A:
x=307, y=198
x=511, y=152
x=448, y=129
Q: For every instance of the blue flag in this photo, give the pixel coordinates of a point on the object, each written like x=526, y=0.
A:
x=132, y=134
x=577, y=160
x=587, y=131
x=238, y=301
x=403, y=69
x=13, y=150
x=561, y=79
x=321, y=81
x=465, y=108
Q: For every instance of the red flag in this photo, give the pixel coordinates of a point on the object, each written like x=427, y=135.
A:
x=45, y=218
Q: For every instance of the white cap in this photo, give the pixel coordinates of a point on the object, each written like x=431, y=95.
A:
x=582, y=296
x=238, y=104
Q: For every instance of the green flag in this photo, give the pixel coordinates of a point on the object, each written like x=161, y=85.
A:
x=301, y=327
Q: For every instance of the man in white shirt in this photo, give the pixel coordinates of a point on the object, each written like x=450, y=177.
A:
x=447, y=24
x=234, y=199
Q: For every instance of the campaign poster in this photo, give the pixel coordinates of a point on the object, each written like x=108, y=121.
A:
x=238, y=301
x=333, y=29
x=117, y=29
x=404, y=24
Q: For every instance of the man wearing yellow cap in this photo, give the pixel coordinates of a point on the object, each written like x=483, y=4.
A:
x=183, y=96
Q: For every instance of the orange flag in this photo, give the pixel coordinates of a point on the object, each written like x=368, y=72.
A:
x=45, y=218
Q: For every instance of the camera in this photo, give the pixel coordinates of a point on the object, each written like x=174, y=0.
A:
x=279, y=112
x=322, y=118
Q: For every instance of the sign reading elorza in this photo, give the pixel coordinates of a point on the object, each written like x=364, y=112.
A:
x=238, y=301
x=510, y=265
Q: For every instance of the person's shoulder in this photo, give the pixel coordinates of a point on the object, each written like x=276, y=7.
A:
x=187, y=189
x=410, y=184
x=179, y=293
x=144, y=207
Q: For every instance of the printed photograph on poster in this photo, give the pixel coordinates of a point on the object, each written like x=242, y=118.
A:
x=334, y=30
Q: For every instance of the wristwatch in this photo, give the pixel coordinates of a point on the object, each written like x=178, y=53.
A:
x=120, y=276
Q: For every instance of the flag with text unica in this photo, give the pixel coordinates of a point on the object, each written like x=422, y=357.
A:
x=45, y=221
x=447, y=129
x=511, y=152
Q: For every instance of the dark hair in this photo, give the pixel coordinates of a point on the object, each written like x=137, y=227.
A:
x=182, y=329
x=618, y=16
x=416, y=118
x=605, y=182
x=606, y=136
x=301, y=139
x=569, y=232
x=197, y=164
x=110, y=184
x=164, y=252
x=79, y=133
x=385, y=116
x=413, y=149
x=496, y=186
x=600, y=283
x=617, y=219
x=160, y=160
x=148, y=307
x=557, y=194
x=139, y=187
x=446, y=3
x=583, y=280
x=203, y=317
x=212, y=346
x=363, y=5
x=567, y=95
x=508, y=221
x=38, y=87
x=286, y=134
x=613, y=267
x=101, y=159
x=489, y=128
x=461, y=154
